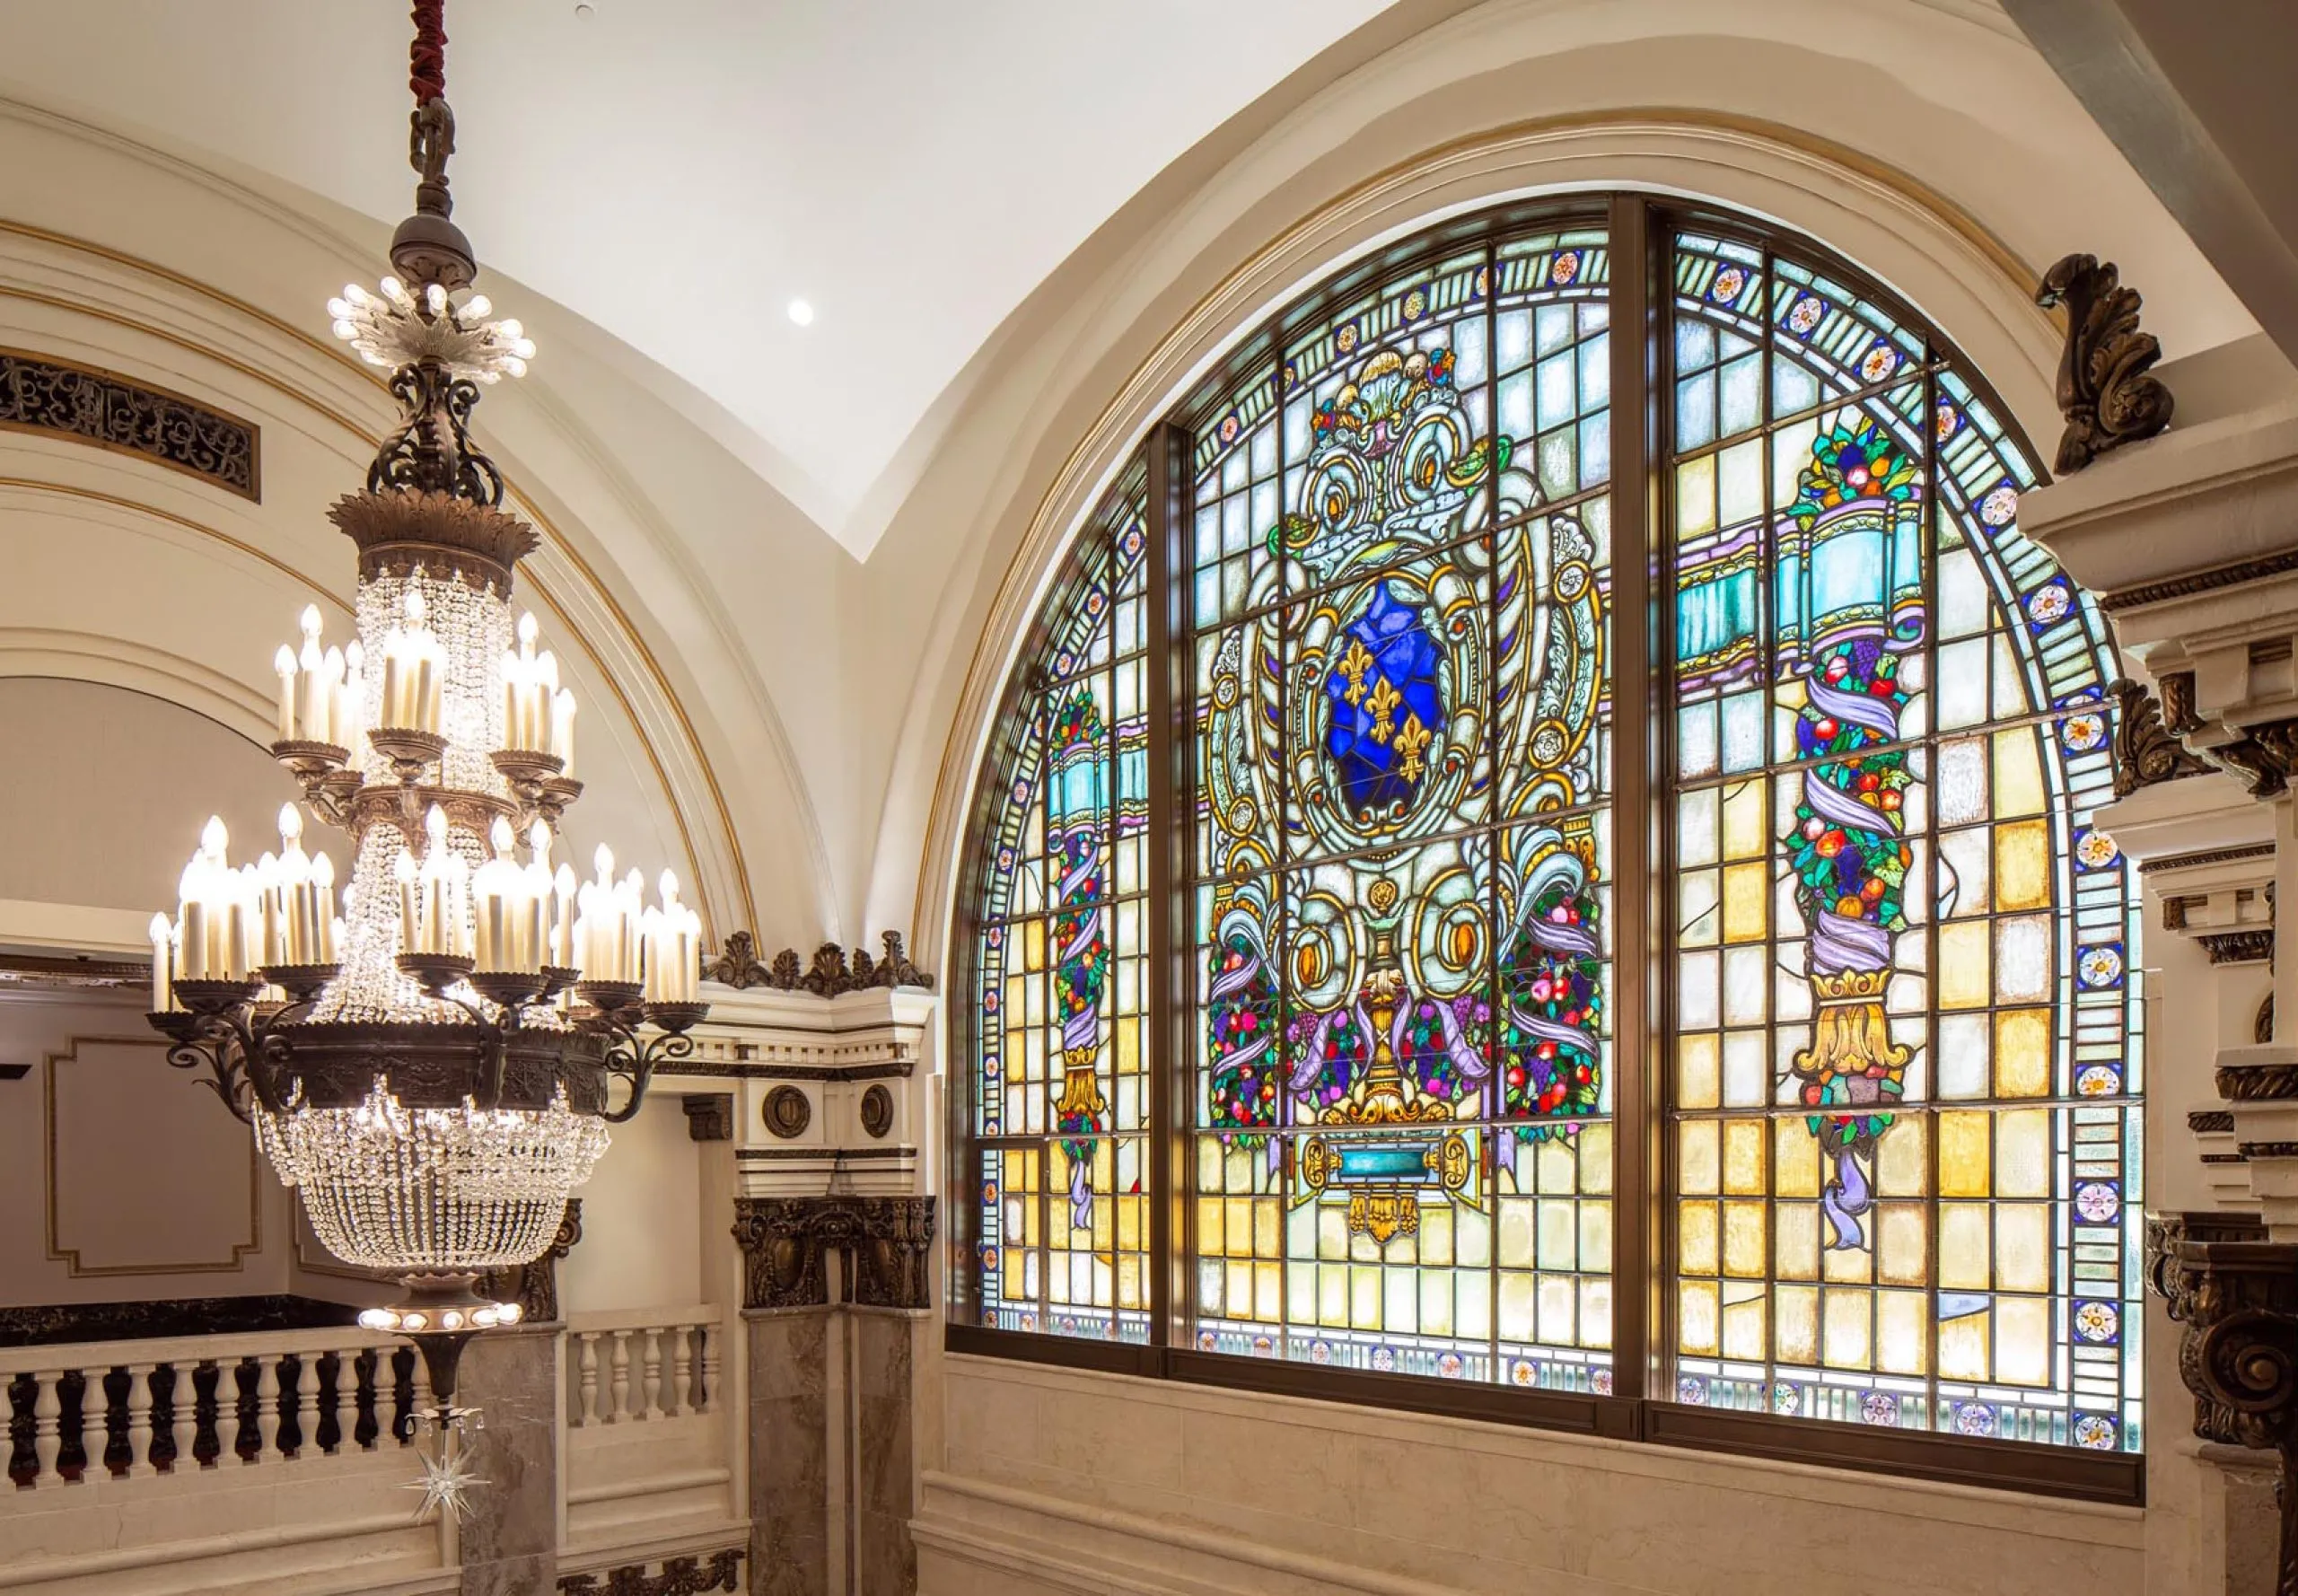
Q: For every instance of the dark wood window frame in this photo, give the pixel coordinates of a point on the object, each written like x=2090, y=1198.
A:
x=1640, y=227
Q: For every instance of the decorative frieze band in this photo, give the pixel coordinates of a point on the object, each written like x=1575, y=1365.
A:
x=679, y=1576
x=2252, y=946
x=886, y=1241
x=40, y=393
x=2205, y=858
x=832, y=972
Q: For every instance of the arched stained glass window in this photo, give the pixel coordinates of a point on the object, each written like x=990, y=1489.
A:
x=1409, y=939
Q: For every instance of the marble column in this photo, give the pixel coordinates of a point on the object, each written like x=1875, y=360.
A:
x=790, y=1508
x=887, y=1352
x=510, y=1537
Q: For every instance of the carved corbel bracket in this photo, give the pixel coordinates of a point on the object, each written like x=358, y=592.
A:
x=2104, y=392
x=784, y=1241
x=2146, y=748
x=2235, y=1296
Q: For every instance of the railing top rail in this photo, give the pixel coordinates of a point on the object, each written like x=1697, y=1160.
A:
x=645, y=1319
x=55, y=1356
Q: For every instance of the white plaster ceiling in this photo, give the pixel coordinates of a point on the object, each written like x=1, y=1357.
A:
x=678, y=171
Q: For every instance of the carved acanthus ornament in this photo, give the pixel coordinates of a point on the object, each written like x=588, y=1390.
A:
x=886, y=1241
x=680, y=1576
x=2103, y=390
x=2235, y=1296
x=2146, y=751
x=832, y=972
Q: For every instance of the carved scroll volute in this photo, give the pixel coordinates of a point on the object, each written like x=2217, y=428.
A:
x=2144, y=749
x=2104, y=392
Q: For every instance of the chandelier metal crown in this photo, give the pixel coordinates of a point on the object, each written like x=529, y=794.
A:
x=432, y=1059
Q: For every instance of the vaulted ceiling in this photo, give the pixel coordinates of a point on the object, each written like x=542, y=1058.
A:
x=677, y=172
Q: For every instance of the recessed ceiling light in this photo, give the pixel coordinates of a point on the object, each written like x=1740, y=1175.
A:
x=802, y=312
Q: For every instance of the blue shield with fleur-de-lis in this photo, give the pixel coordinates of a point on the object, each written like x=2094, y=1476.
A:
x=1387, y=713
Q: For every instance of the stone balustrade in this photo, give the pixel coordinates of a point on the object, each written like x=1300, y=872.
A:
x=640, y=1365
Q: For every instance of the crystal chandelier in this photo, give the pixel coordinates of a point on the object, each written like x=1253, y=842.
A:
x=432, y=1060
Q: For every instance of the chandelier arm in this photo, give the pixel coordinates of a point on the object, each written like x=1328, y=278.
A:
x=492, y=1049
x=213, y=1046
x=635, y=1061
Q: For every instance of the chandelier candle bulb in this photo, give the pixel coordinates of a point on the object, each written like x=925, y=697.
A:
x=403, y=873
x=162, y=965
x=562, y=933
x=284, y=663
x=562, y=729
x=323, y=921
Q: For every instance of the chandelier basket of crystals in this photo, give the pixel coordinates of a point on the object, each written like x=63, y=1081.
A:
x=434, y=1060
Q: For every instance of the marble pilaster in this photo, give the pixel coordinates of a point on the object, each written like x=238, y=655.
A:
x=789, y=1440
x=510, y=1538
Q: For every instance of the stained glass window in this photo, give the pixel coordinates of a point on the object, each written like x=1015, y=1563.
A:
x=1363, y=641
x=1905, y=1122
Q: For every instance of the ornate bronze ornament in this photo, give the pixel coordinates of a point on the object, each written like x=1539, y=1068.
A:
x=2266, y=755
x=2235, y=1294
x=832, y=972
x=41, y=393
x=2238, y=947
x=709, y=1116
x=2103, y=390
x=680, y=1576
x=788, y=1112
x=2146, y=752
x=877, y=1111
x=885, y=1239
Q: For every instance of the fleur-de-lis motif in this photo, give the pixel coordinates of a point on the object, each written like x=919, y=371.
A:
x=1383, y=705
x=1412, y=741
x=1352, y=665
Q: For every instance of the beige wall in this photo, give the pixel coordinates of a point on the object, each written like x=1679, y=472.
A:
x=1064, y=1482
x=121, y=1178
x=644, y=1229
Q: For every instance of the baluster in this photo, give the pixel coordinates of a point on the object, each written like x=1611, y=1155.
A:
x=707, y=1397
x=303, y=1401
x=653, y=1373
x=621, y=1415
x=183, y=1418
x=48, y=1407
x=418, y=1378
x=267, y=1407
x=95, y=1424
x=589, y=1378
x=682, y=1369
x=139, y=1422
x=347, y=1400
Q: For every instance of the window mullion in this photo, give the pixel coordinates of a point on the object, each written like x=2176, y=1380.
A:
x=1638, y=1304
x=1172, y=1209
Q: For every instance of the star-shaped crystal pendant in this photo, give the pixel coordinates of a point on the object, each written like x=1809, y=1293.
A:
x=447, y=1481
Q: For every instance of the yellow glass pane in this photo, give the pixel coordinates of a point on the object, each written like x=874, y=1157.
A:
x=1471, y=1238
x=1558, y=1302
x=1746, y=833
x=1435, y=1304
x=1559, y=1235
x=1268, y=1227
x=1364, y=1296
x=1963, y=1155
x=2022, y=1340
x=1899, y=1159
x=1515, y=1233
x=1743, y=1156
x=1595, y=1313
x=1698, y=1318
x=1436, y=1234
x=2022, y=866
x=1699, y=1072
x=2022, y=1247
x=1695, y=1238
x=1300, y=1296
x=1238, y=1227
x=1696, y=496
x=1900, y=1344
x=1747, y=898
x=1796, y=1252
x=1332, y=1231
x=1966, y=1248
x=1795, y=1154
x=1798, y=1307
x=1962, y=1346
x=2017, y=776
x=1848, y=1266
x=1901, y=1253
x=1964, y=979
x=1131, y=1291
x=1033, y=945
x=1595, y=1161
x=1743, y=1239
x=1697, y=1156
x=1332, y=1297
x=2023, y=1053
x=1743, y=1322
x=1595, y=1235
x=1515, y=1307
x=1557, y=1165
x=1237, y=1286
x=2022, y=1153
x=1844, y=1327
